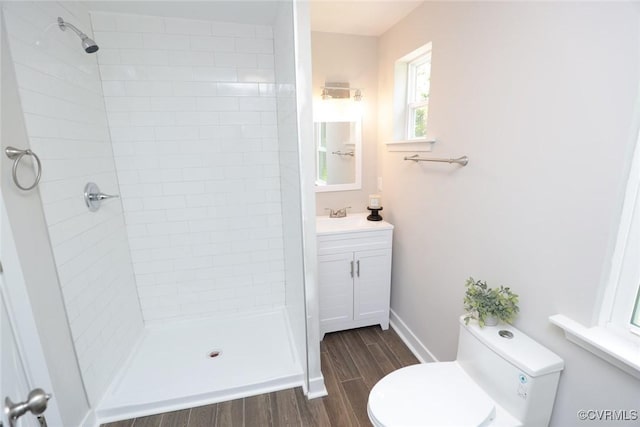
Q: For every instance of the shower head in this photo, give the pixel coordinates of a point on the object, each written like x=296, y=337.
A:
x=88, y=44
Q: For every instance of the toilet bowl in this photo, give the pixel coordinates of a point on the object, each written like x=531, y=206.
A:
x=501, y=378
x=435, y=394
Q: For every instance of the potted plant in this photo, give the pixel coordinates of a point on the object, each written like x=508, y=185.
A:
x=489, y=305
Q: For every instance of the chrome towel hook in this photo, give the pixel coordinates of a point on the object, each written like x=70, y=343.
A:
x=93, y=197
x=16, y=155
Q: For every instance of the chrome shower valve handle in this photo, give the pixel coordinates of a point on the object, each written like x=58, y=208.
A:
x=93, y=197
x=102, y=196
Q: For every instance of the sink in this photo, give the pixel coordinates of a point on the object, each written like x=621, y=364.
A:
x=353, y=222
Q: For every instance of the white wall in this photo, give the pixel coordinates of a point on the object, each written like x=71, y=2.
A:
x=192, y=114
x=34, y=276
x=350, y=59
x=541, y=97
x=302, y=54
x=290, y=177
x=61, y=96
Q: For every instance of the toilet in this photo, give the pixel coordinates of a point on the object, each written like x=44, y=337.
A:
x=500, y=378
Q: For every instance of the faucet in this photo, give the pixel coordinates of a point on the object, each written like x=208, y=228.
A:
x=338, y=213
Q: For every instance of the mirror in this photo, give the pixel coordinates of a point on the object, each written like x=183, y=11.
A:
x=338, y=144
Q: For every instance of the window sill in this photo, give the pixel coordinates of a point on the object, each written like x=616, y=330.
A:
x=614, y=348
x=414, y=145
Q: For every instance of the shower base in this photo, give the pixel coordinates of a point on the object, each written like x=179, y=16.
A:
x=171, y=367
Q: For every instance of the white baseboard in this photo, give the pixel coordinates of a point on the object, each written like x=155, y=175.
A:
x=316, y=388
x=410, y=339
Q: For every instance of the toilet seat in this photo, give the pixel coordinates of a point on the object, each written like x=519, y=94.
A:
x=431, y=394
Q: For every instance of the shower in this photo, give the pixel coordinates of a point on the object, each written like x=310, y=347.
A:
x=88, y=44
x=203, y=253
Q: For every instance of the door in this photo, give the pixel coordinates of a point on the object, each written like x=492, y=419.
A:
x=335, y=280
x=372, y=284
x=15, y=377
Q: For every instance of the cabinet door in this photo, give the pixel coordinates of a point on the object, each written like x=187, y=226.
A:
x=336, y=287
x=372, y=283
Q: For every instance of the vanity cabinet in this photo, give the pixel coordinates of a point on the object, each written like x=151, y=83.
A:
x=354, y=272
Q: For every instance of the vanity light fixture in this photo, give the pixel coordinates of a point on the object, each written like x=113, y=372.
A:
x=340, y=91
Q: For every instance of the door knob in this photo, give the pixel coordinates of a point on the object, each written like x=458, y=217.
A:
x=36, y=403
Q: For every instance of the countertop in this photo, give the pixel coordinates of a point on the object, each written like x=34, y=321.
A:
x=354, y=222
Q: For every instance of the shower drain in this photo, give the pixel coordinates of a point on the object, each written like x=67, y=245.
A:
x=214, y=353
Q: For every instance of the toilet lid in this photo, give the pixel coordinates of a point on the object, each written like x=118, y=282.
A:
x=430, y=394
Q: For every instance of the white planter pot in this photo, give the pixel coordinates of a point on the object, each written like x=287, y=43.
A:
x=490, y=321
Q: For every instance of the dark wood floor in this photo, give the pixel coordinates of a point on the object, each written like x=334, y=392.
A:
x=352, y=362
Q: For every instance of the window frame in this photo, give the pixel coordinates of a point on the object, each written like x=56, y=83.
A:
x=612, y=337
x=617, y=310
x=635, y=328
x=412, y=103
x=401, y=140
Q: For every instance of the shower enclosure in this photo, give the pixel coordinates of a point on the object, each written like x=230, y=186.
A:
x=190, y=287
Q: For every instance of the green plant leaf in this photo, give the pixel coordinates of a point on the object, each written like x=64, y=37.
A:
x=481, y=301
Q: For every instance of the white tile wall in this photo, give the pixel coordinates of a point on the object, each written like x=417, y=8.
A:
x=66, y=122
x=192, y=110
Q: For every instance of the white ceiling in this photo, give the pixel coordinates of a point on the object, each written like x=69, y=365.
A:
x=361, y=17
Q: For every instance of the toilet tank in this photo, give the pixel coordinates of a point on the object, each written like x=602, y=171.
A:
x=517, y=372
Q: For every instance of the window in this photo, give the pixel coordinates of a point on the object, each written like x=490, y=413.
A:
x=621, y=304
x=418, y=82
x=635, y=317
x=617, y=335
x=412, y=86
